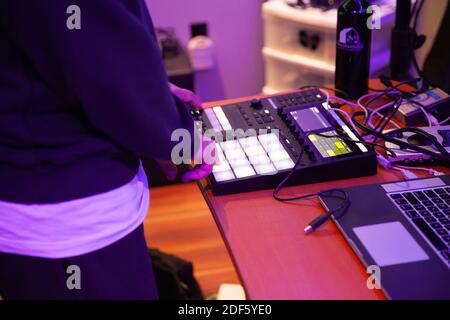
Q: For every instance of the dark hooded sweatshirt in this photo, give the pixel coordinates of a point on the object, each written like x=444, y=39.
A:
x=79, y=108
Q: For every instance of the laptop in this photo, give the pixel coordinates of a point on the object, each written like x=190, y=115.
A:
x=404, y=229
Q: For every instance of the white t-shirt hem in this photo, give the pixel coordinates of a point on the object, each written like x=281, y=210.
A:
x=76, y=227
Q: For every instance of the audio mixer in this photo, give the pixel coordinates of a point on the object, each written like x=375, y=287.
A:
x=259, y=142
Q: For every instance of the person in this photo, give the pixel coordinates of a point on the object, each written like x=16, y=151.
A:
x=79, y=108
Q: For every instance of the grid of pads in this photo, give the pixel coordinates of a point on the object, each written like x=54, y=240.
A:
x=251, y=156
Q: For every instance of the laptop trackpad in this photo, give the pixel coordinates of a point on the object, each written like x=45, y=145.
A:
x=390, y=244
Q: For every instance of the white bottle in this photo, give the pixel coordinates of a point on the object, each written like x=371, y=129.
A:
x=201, y=49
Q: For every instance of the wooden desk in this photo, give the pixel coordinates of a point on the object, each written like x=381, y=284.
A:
x=275, y=259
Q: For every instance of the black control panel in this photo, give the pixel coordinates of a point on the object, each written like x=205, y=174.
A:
x=259, y=142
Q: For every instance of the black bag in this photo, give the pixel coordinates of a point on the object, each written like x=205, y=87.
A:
x=174, y=277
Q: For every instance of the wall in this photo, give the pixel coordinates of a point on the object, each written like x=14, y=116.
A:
x=236, y=28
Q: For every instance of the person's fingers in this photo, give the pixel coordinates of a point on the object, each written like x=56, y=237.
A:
x=197, y=173
x=186, y=96
x=191, y=98
x=195, y=101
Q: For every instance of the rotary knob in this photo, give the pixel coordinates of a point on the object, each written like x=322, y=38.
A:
x=256, y=104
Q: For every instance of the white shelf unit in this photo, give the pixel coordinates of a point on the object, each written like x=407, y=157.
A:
x=289, y=36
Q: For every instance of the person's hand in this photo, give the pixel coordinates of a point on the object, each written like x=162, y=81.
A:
x=186, y=96
x=204, y=161
x=205, y=158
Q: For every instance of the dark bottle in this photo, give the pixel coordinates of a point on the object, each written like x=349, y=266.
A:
x=353, y=44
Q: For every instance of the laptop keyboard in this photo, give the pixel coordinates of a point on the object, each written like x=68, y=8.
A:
x=429, y=211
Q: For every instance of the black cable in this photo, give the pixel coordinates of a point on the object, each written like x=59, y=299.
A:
x=321, y=219
x=346, y=200
x=388, y=119
x=387, y=93
x=409, y=81
x=316, y=223
x=372, y=100
x=442, y=154
x=397, y=106
x=385, y=115
x=424, y=134
x=283, y=182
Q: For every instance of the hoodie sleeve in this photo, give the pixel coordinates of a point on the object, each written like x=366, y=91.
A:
x=112, y=67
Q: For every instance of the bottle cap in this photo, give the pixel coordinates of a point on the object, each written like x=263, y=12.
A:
x=199, y=29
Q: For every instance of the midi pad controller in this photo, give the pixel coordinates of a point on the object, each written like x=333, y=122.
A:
x=259, y=142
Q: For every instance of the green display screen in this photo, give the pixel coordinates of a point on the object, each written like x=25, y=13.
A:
x=329, y=147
